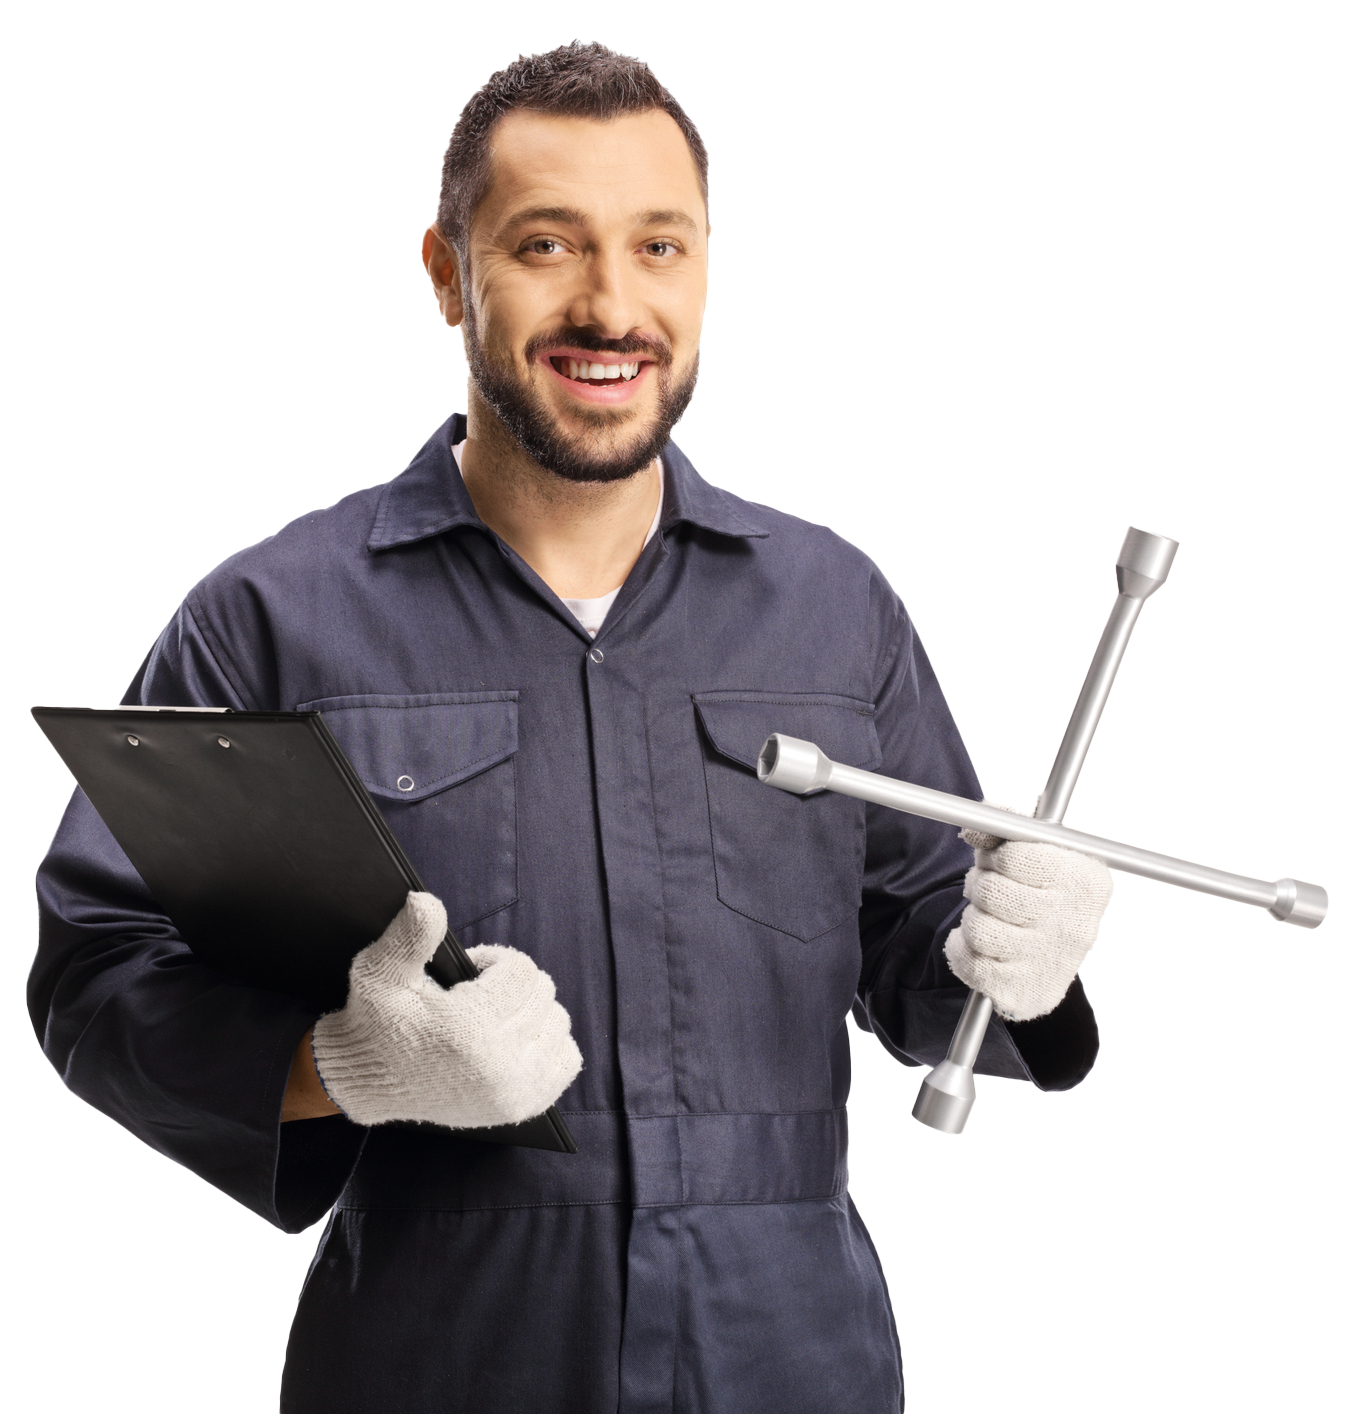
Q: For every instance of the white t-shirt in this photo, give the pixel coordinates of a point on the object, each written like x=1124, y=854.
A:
x=592, y=612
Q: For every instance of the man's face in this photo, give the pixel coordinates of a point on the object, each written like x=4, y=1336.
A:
x=586, y=285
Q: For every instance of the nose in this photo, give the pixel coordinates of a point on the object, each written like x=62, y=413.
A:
x=607, y=301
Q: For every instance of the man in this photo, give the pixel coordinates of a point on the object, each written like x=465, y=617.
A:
x=553, y=651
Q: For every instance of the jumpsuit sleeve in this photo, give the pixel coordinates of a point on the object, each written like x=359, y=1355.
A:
x=912, y=884
x=192, y=1062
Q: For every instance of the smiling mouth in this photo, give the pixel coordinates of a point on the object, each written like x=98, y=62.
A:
x=581, y=370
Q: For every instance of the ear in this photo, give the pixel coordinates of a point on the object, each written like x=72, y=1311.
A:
x=440, y=260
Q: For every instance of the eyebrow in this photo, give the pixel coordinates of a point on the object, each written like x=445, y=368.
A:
x=666, y=218
x=572, y=216
x=566, y=215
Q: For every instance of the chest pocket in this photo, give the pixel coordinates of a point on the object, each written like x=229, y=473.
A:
x=791, y=862
x=441, y=769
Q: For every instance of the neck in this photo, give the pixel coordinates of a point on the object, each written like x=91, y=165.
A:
x=582, y=538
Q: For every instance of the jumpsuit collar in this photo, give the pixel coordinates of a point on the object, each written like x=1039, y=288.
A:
x=429, y=498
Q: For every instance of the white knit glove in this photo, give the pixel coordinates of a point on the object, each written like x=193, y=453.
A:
x=492, y=1051
x=1033, y=915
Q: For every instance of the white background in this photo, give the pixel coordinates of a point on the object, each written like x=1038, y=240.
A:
x=990, y=282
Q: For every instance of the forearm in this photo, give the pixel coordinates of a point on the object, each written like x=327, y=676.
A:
x=912, y=895
x=195, y=1064
x=912, y=1001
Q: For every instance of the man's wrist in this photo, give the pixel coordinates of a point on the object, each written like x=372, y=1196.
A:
x=305, y=1096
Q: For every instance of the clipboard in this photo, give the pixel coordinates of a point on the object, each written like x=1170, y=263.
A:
x=255, y=835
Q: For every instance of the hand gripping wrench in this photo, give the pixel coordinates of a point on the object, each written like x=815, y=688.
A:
x=948, y=1091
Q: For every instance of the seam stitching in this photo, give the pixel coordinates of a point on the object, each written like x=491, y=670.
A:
x=216, y=652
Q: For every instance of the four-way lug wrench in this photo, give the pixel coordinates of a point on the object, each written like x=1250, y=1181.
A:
x=800, y=767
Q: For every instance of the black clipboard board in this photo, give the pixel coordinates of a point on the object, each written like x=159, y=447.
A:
x=255, y=835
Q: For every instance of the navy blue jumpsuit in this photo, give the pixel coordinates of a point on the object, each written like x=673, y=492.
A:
x=594, y=804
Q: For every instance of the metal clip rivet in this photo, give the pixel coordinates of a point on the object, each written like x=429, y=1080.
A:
x=132, y=741
x=221, y=741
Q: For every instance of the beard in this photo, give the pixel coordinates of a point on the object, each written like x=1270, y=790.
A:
x=612, y=445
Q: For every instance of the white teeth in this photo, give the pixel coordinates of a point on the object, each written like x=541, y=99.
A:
x=582, y=369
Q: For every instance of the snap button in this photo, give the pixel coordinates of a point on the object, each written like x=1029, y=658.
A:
x=596, y=655
x=405, y=783
x=132, y=741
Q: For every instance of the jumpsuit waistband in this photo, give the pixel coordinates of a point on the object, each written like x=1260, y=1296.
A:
x=636, y=1160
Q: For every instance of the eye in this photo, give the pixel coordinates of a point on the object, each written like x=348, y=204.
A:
x=660, y=249
x=545, y=245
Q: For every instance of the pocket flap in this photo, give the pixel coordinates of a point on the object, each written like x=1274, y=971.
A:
x=409, y=748
x=738, y=723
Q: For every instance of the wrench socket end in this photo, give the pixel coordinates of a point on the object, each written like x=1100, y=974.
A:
x=946, y=1097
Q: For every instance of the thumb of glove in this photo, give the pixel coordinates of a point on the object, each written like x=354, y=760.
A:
x=409, y=941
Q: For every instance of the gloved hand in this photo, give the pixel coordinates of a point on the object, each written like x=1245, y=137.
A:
x=492, y=1051
x=1033, y=915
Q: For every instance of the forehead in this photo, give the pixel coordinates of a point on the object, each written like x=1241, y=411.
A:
x=611, y=170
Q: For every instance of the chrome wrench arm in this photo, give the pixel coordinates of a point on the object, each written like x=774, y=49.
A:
x=948, y=1090
x=801, y=767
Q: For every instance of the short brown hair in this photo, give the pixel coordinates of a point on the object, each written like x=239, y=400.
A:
x=575, y=81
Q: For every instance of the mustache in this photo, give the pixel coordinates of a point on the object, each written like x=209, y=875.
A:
x=656, y=349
